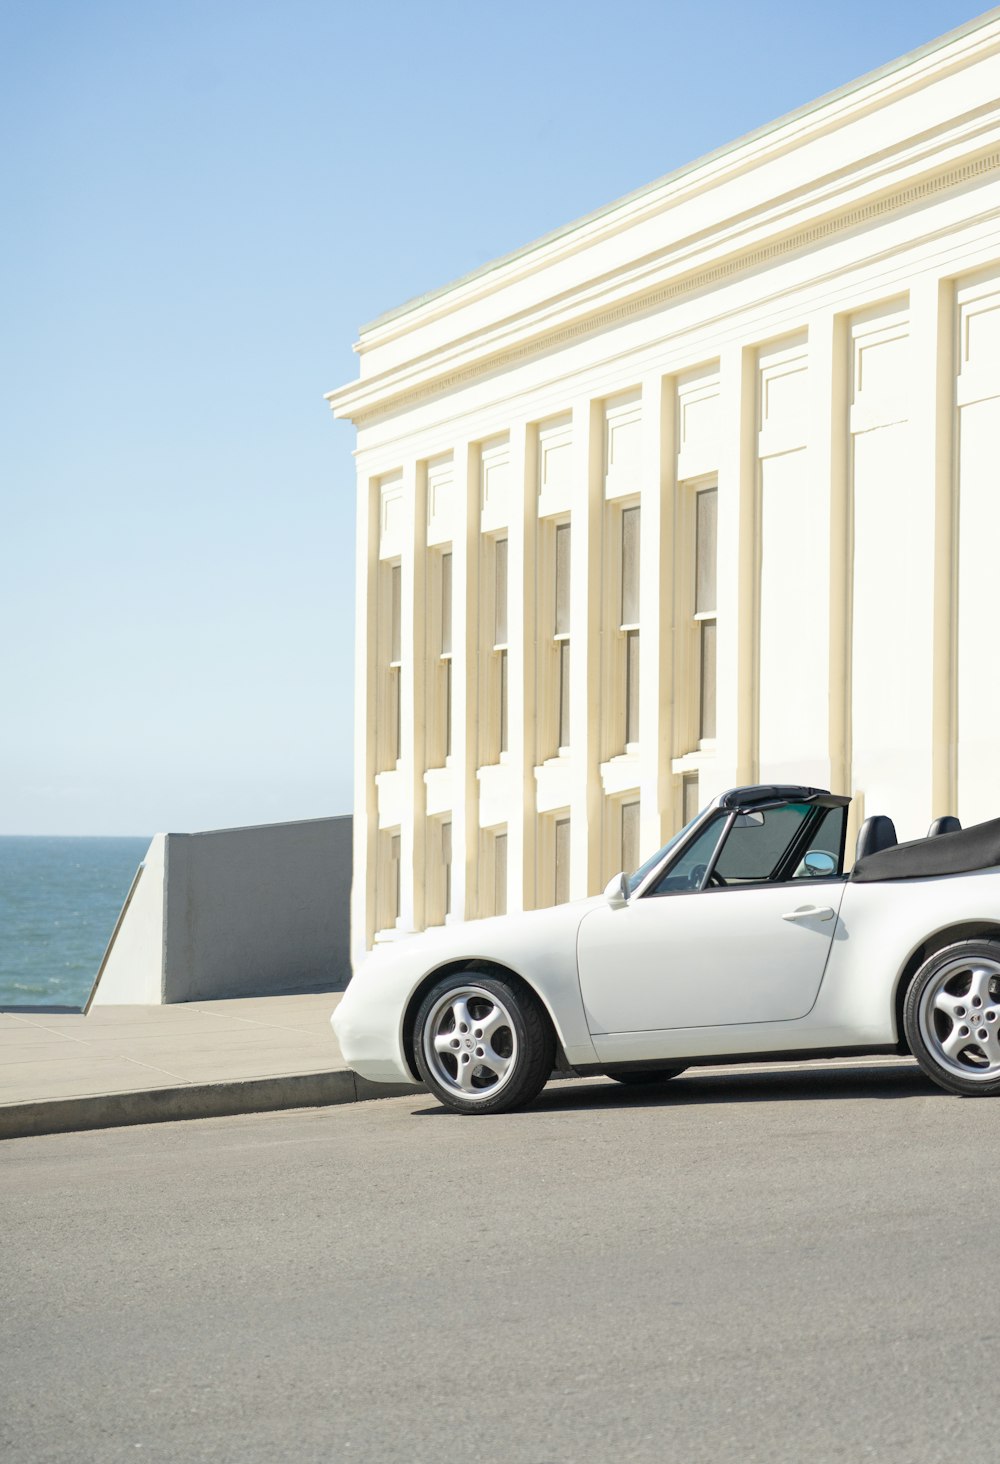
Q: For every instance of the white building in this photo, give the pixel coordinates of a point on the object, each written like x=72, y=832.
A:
x=699, y=491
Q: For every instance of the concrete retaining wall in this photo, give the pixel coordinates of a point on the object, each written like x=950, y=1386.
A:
x=132, y=969
x=235, y=912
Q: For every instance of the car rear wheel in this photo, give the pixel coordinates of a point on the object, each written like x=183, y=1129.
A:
x=951, y=1017
x=482, y=1044
x=645, y=1077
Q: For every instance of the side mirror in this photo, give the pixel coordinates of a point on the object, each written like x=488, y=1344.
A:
x=616, y=891
x=818, y=863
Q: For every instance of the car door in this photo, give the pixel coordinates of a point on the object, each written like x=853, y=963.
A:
x=749, y=951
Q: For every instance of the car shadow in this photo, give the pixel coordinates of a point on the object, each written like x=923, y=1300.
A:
x=703, y=1086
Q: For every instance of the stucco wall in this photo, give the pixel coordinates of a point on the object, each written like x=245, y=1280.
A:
x=805, y=324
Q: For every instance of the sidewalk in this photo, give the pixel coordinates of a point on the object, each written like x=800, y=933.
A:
x=148, y=1064
x=61, y=1071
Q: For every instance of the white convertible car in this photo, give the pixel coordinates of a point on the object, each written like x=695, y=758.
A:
x=740, y=939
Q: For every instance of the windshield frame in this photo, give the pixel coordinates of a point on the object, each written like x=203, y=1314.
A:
x=652, y=867
x=659, y=864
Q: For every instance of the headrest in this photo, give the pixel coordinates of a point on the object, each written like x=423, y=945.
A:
x=876, y=833
x=946, y=824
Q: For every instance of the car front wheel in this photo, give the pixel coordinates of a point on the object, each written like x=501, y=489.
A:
x=951, y=1017
x=482, y=1044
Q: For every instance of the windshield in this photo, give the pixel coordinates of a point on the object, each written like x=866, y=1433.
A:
x=636, y=879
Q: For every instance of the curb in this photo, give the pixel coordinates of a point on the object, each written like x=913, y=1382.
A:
x=193, y=1100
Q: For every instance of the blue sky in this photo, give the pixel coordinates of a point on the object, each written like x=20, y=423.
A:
x=202, y=202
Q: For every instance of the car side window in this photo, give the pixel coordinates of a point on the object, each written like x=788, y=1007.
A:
x=828, y=838
x=687, y=872
x=759, y=842
x=765, y=845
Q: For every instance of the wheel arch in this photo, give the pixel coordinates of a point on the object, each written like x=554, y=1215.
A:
x=946, y=936
x=476, y=966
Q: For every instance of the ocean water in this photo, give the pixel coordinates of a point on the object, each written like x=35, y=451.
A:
x=59, y=900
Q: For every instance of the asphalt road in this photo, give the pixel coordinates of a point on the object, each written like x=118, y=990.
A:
x=770, y=1267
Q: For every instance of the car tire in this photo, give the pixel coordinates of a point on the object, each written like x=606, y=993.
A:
x=483, y=1044
x=951, y=1018
x=644, y=1078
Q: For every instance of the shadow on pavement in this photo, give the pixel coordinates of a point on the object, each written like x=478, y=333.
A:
x=701, y=1086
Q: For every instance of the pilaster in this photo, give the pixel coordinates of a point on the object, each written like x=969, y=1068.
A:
x=412, y=843
x=521, y=631
x=366, y=668
x=931, y=327
x=585, y=651
x=829, y=476
x=738, y=571
x=656, y=606
x=465, y=690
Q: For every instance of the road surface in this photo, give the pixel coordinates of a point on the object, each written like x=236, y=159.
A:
x=764, y=1267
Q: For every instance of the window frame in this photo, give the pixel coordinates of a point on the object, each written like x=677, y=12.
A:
x=627, y=632
x=703, y=620
x=388, y=878
x=439, y=640
x=501, y=645
x=545, y=855
x=493, y=871
x=389, y=701
x=493, y=654
x=561, y=637
x=553, y=665
x=438, y=869
x=627, y=803
x=689, y=622
x=790, y=859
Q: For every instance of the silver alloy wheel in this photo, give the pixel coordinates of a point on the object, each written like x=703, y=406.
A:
x=470, y=1043
x=959, y=1017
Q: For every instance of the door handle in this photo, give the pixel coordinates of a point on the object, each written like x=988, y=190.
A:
x=811, y=912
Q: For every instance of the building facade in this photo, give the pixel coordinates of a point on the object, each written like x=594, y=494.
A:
x=702, y=490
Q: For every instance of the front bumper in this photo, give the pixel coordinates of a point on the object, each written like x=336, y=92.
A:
x=368, y=1027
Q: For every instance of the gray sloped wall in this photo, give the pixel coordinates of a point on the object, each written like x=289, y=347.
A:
x=257, y=911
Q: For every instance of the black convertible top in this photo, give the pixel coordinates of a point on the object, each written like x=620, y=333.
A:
x=969, y=849
x=771, y=795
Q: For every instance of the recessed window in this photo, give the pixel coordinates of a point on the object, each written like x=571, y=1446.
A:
x=561, y=861
x=690, y=798
x=500, y=874
x=563, y=532
x=388, y=891
x=445, y=652
x=446, y=864
x=438, y=870
x=563, y=693
x=503, y=695
x=500, y=638
x=562, y=622
x=394, y=648
x=628, y=622
x=630, y=858
x=705, y=606
x=395, y=879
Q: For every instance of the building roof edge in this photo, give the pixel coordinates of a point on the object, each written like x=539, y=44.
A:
x=889, y=68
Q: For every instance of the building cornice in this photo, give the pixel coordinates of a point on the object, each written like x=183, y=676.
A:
x=870, y=192
x=977, y=39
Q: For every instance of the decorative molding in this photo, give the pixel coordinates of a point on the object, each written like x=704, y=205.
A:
x=494, y=483
x=440, y=499
x=975, y=41
x=392, y=509
x=782, y=387
x=649, y=300
x=623, y=444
